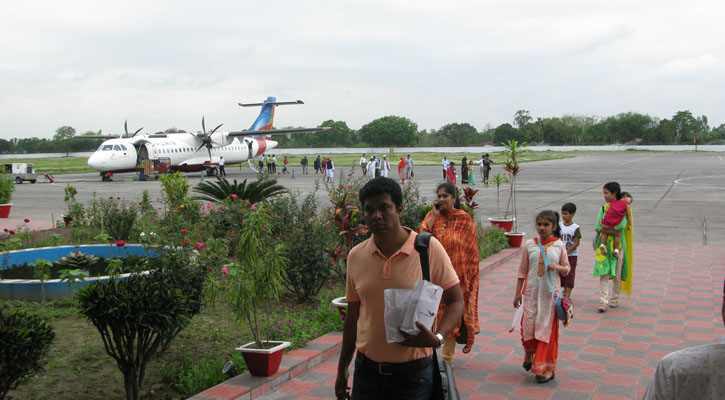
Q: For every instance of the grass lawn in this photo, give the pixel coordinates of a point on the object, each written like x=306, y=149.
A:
x=79, y=368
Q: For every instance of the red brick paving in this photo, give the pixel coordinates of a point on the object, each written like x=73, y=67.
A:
x=675, y=304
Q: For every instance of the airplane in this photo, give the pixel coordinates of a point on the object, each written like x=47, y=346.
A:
x=183, y=151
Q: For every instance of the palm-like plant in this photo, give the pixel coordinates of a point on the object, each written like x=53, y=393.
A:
x=512, y=152
x=222, y=189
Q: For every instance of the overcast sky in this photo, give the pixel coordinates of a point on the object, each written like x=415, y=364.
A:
x=92, y=64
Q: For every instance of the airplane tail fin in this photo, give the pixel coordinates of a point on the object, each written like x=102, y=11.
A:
x=265, y=120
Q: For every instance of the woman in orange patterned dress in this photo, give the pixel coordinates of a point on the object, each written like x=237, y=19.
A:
x=455, y=229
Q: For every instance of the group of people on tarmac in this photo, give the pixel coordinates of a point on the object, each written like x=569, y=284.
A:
x=468, y=176
x=374, y=167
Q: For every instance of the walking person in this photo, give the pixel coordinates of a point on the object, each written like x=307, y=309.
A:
x=384, y=167
x=388, y=259
x=616, y=267
x=464, y=170
x=456, y=231
x=222, y=172
x=401, y=170
x=364, y=164
x=451, y=173
x=408, y=167
x=471, y=173
x=571, y=236
x=285, y=163
x=445, y=164
x=330, y=168
x=316, y=164
x=485, y=165
x=371, y=168
x=304, y=165
x=539, y=324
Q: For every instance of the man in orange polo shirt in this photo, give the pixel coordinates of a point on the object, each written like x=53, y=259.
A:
x=389, y=260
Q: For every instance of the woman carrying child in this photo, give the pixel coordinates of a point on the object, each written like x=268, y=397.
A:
x=451, y=173
x=539, y=324
x=612, y=262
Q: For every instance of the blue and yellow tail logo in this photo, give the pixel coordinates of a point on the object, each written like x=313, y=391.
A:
x=265, y=120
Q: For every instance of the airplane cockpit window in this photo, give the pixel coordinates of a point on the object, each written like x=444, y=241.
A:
x=107, y=147
x=117, y=147
x=123, y=147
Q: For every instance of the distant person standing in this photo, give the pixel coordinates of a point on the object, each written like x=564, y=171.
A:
x=485, y=164
x=268, y=160
x=464, y=170
x=274, y=164
x=371, y=168
x=316, y=164
x=222, y=172
x=384, y=167
x=330, y=168
x=285, y=164
x=445, y=164
x=261, y=163
x=451, y=173
x=408, y=167
x=304, y=165
x=401, y=169
x=364, y=164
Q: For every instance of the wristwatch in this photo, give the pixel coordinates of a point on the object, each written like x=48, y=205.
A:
x=440, y=340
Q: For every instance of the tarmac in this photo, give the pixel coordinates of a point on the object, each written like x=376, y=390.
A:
x=679, y=257
x=679, y=198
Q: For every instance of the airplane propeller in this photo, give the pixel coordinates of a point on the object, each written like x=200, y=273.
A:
x=125, y=128
x=205, y=137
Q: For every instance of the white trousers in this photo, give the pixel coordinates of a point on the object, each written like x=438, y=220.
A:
x=604, y=298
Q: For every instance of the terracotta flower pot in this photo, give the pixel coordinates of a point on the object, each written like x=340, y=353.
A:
x=515, y=239
x=263, y=362
x=504, y=223
x=67, y=220
x=5, y=210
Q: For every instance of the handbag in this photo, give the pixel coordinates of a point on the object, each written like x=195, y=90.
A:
x=412, y=174
x=444, y=385
x=462, y=337
x=564, y=309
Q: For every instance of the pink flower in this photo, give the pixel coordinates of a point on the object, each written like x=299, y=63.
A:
x=12, y=232
x=225, y=270
x=203, y=208
x=140, y=203
x=208, y=205
x=179, y=208
x=26, y=220
x=120, y=243
x=186, y=240
x=234, y=196
x=253, y=207
x=184, y=231
x=349, y=186
x=200, y=245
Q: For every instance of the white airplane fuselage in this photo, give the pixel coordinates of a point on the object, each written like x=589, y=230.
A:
x=182, y=149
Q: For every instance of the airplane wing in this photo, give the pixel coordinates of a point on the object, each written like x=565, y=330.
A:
x=276, y=131
x=95, y=137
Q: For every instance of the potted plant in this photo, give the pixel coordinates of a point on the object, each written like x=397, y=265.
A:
x=504, y=223
x=512, y=152
x=70, y=200
x=250, y=284
x=6, y=194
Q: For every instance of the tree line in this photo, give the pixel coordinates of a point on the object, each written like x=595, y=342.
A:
x=388, y=131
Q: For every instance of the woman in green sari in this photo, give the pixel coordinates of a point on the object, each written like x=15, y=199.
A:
x=610, y=266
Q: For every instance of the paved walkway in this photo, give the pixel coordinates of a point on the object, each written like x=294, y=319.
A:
x=676, y=304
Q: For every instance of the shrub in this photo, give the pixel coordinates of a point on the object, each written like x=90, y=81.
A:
x=138, y=317
x=24, y=344
x=309, y=266
x=222, y=189
x=6, y=188
x=491, y=240
x=411, y=202
x=190, y=377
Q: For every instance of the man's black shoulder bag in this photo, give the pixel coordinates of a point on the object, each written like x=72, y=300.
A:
x=444, y=385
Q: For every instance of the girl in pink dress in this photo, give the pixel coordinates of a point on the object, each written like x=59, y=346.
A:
x=539, y=325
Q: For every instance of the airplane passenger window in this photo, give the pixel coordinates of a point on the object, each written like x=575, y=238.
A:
x=108, y=147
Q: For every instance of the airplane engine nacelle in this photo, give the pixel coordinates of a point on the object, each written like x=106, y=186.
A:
x=222, y=138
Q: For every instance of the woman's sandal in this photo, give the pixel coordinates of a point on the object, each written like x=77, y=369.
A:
x=543, y=379
x=603, y=249
x=527, y=366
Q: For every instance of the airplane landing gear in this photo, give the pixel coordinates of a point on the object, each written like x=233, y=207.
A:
x=106, y=177
x=211, y=171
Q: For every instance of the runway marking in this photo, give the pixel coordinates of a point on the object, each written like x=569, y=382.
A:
x=720, y=157
x=668, y=190
x=639, y=159
x=681, y=181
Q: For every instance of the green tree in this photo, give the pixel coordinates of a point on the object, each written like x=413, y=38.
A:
x=389, y=131
x=686, y=126
x=458, y=134
x=522, y=118
x=64, y=132
x=504, y=133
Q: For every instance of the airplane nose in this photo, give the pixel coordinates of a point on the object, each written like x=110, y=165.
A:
x=94, y=161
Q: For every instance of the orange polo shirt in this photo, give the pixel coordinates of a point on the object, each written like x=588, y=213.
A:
x=369, y=273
